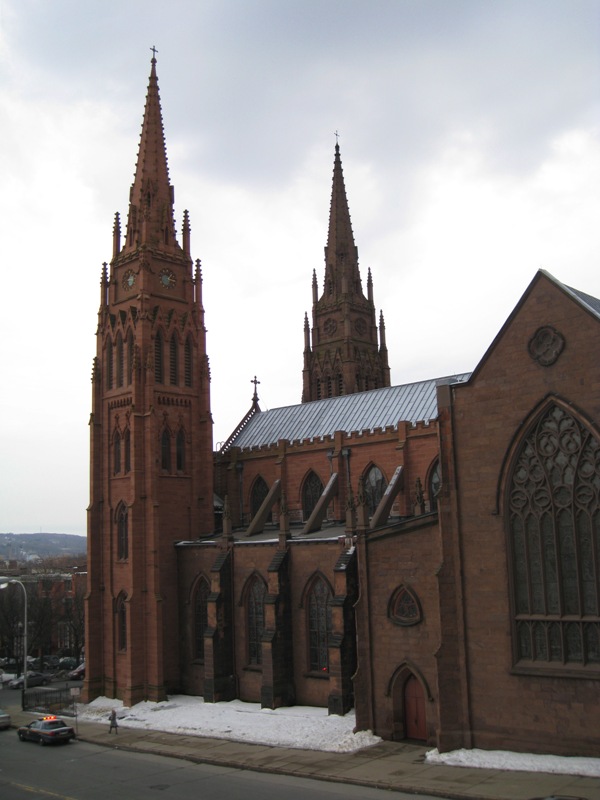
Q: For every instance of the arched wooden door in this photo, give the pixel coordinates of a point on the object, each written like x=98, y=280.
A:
x=415, y=723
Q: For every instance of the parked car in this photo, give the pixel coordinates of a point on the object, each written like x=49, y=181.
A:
x=47, y=730
x=67, y=663
x=51, y=662
x=4, y=719
x=77, y=674
x=33, y=679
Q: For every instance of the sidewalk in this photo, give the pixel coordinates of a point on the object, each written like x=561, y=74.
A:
x=389, y=765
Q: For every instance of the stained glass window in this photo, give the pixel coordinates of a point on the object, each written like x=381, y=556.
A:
x=404, y=607
x=256, y=619
x=554, y=524
x=259, y=492
x=311, y=492
x=319, y=626
x=375, y=486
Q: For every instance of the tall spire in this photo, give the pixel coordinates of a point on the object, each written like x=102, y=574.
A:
x=151, y=198
x=341, y=254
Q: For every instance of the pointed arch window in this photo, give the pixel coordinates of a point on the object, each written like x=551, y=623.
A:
x=259, y=492
x=120, y=360
x=109, y=363
x=165, y=450
x=319, y=603
x=122, y=533
x=200, y=617
x=375, y=486
x=174, y=361
x=187, y=356
x=319, y=390
x=311, y=492
x=180, y=450
x=127, y=450
x=129, y=358
x=435, y=484
x=255, y=619
x=340, y=385
x=121, y=623
x=553, y=497
x=117, y=453
x=404, y=607
x=158, y=358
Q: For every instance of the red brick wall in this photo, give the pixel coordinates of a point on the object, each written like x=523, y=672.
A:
x=519, y=712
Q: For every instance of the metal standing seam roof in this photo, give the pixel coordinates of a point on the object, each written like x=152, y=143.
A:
x=359, y=412
x=593, y=303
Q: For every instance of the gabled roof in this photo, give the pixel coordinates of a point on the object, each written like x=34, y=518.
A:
x=359, y=412
x=588, y=303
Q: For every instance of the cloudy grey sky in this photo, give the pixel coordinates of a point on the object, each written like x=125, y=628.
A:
x=470, y=140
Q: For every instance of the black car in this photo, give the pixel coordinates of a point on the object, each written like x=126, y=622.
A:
x=47, y=730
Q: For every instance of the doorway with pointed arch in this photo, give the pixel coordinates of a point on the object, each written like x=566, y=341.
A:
x=409, y=692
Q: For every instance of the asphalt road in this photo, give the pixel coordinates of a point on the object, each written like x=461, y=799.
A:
x=82, y=771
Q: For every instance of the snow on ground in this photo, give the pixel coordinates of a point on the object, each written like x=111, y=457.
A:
x=302, y=727
x=519, y=762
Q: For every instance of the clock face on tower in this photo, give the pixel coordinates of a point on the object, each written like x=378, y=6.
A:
x=167, y=278
x=128, y=280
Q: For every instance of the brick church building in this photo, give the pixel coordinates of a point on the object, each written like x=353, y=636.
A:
x=427, y=554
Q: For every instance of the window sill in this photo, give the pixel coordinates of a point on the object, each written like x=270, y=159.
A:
x=553, y=669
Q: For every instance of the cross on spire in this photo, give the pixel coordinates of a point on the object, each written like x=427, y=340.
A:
x=255, y=381
x=154, y=52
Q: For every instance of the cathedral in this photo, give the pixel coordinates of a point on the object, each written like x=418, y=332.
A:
x=425, y=554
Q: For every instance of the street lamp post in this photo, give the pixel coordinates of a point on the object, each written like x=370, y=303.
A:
x=4, y=581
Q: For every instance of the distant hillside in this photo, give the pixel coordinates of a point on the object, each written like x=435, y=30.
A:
x=23, y=546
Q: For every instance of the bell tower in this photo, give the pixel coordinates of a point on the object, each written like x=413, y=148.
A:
x=344, y=352
x=151, y=479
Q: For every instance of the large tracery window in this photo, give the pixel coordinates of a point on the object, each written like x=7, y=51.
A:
x=375, y=486
x=319, y=626
x=554, y=531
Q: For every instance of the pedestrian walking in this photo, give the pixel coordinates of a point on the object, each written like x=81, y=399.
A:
x=113, y=722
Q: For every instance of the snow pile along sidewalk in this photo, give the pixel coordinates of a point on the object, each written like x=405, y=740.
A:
x=518, y=762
